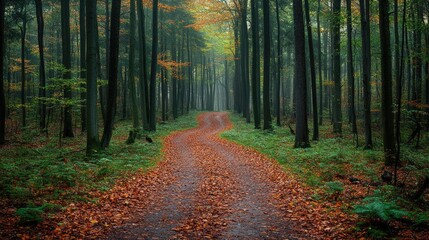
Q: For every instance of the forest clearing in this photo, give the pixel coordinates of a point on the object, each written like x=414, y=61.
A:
x=214, y=119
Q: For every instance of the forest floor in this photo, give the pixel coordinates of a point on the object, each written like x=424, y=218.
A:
x=209, y=187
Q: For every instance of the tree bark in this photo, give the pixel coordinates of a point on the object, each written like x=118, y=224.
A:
x=92, y=143
x=366, y=67
x=300, y=85
x=113, y=73
x=267, y=63
x=154, y=65
x=350, y=68
x=336, y=68
x=82, y=26
x=312, y=73
x=143, y=83
x=386, y=76
x=256, y=72
x=2, y=95
x=66, y=49
x=42, y=75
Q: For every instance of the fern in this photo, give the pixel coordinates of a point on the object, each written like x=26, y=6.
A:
x=375, y=207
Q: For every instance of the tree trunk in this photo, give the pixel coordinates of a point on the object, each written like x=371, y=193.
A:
x=82, y=26
x=2, y=95
x=256, y=72
x=42, y=76
x=386, y=76
x=113, y=73
x=154, y=64
x=366, y=67
x=66, y=48
x=279, y=65
x=336, y=68
x=312, y=73
x=131, y=71
x=23, y=75
x=92, y=143
x=300, y=85
x=319, y=44
x=350, y=68
x=244, y=59
x=267, y=62
x=144, y=90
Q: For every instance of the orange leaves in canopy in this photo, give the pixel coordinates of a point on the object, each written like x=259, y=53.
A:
x=208, y=12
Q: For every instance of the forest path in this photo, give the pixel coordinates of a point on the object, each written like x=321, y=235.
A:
x=208, y=187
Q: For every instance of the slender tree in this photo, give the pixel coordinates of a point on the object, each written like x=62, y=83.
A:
x=82, y=28
x=366, y=70
x=131, y=73
x=279, y=65
x=267, y=62
x=312, y=72
x=143, y=83
x=350, y=68
x=336, y=67
x=244, y=59
x=256, y=72
x=42, y=76
x=23, y=30
x=2, y=95
x=92, y=141
x=300, y=85
x=113, y=73
x=152, y=116
x=66, y=48
x=386, y=81
x=319, y=56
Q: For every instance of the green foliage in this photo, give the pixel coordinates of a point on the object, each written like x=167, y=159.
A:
x=33, y=214
x=334, y=187
x=47, y=172
x=30, y=215
x=377, y=208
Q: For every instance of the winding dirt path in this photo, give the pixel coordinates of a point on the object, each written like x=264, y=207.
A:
x=205, y=188
x=213, y=189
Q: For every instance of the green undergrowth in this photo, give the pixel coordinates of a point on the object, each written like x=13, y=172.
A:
x=32, y=175
x=329, y=164
x=321, y=163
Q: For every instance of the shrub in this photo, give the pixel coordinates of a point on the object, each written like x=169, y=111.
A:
x=33, y=215
x=334, y=188
x=376, y=208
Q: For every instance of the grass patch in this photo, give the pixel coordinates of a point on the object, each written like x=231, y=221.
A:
x=35, y=174
x=316, y=165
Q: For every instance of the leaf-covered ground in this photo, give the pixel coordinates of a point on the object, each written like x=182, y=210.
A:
x=206, y=187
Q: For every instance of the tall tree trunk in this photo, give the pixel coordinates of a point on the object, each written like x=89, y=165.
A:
x=92, y=143
x=267, y=62
x=131, y=71
x=244, y=59
x=256, y=72
x=144, y=90
x=154, y=65
x=2, y=95
x=366, y=67
x=82, y=26
x=113, y=73
x=279, y=65
x=66, y=48
x=23, y=75
x=350, y=68
x=312, y=72
x=386, y=76
x=301, y=133
x=336, y=68
x=319, y=56
x=42, y=75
